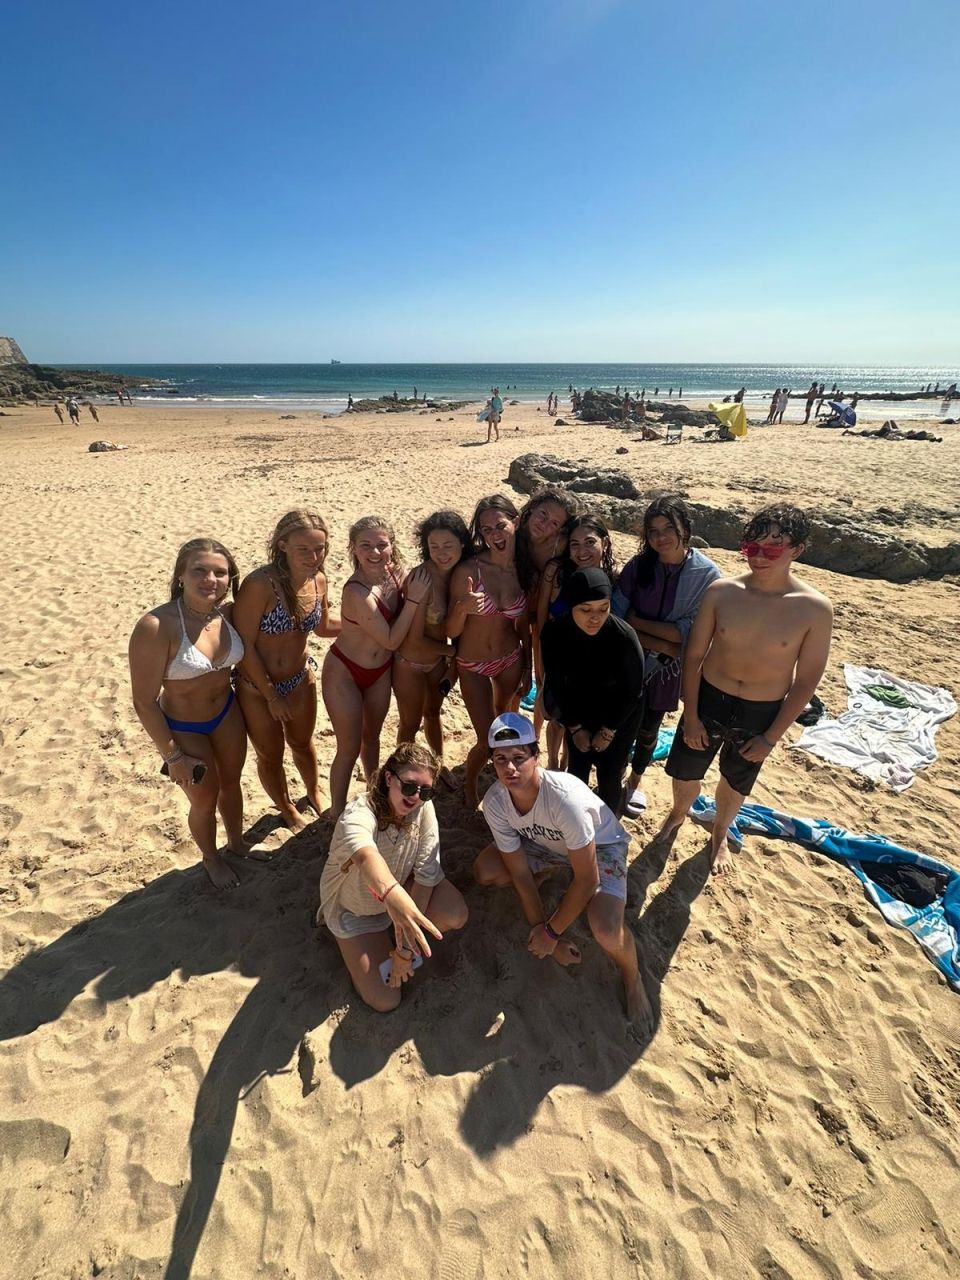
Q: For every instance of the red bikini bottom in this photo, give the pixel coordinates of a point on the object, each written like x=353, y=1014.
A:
x=363, y=677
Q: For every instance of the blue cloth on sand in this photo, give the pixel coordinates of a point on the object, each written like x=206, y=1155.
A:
x=936, y=928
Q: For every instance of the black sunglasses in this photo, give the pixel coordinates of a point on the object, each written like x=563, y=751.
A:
x=409, y=789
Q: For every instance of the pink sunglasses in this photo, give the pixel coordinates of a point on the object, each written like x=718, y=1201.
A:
x=769, y=551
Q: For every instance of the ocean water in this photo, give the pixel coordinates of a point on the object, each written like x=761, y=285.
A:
x=325, y=387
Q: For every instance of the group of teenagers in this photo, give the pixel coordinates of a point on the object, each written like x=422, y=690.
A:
x=516, y=597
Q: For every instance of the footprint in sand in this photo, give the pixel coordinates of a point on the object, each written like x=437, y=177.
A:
x=462, y=1255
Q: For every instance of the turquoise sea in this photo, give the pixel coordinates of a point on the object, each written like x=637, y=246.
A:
x=325, y=387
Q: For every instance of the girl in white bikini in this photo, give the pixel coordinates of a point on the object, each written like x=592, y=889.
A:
x=489, y=617
x=424, y=670
x=182, y=656
x=279, y=606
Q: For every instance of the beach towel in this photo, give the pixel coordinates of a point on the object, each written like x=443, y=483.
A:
x=887, y=742
x=936, y=927
x=664, y=743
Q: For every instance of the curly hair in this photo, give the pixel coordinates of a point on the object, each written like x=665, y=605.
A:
x=449, y=522
x=191, y=548
x=793, y=523
x=293, y=522
x=607, y=562
x=374, y=522
x=493, y=502
x=527, y=571
x=405, y=755
x=675, y=511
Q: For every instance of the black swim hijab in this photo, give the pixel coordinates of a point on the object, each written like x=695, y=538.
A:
x=586, y=585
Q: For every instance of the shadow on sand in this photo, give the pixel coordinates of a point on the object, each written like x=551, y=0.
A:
x=489, y=1007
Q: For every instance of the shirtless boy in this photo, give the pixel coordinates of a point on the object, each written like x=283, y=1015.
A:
x=754, y=658
x=541, y=820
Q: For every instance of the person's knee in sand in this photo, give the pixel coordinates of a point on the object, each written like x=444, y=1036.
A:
x=755, y=655
x=540, y=819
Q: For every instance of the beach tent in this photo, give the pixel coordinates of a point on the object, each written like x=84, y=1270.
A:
x=733, y=417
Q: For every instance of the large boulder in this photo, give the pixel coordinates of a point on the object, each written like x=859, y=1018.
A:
x=837, y=542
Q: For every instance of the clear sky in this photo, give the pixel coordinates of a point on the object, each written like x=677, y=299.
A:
x=512, y=180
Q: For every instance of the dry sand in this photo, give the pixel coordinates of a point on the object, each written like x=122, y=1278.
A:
x=189, y=1086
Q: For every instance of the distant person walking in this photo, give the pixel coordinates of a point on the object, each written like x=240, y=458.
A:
x=774, y=402
x=57, y=410
x=93, y=413
x=74, y=410
x=738, y=398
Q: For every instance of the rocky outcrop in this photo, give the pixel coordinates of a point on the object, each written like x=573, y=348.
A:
x=10, y=352
x=838, y=542
x=387, y=404
x=24, y=383
x=604, y=406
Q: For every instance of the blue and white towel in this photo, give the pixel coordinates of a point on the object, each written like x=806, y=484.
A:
x=936, y=928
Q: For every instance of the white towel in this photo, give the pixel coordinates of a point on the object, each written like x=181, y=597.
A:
x=890, y=744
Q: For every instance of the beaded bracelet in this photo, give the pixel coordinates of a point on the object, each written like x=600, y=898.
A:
x=550, y=931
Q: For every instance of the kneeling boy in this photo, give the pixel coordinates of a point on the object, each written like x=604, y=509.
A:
x=540, y=818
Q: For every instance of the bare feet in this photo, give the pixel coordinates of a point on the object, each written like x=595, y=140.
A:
x=668, y=832
x=220, y=872
x=316, y=803
x=293, y=818
x=639, y=1009
x=721, y=860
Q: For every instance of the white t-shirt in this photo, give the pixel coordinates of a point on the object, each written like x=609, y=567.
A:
x=413, y=847
x=567, y=815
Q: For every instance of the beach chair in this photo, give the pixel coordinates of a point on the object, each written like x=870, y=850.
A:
x=674, y=433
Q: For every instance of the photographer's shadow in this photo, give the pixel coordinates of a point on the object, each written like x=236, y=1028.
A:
x=179, y=923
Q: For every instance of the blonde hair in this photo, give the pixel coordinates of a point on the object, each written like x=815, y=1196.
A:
x=374, y=522
x=292, y=522
x=405, y=755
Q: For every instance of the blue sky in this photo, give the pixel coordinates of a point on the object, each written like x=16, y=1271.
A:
x=532, y=180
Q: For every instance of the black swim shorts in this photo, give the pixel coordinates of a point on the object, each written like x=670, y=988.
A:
x=730, y=722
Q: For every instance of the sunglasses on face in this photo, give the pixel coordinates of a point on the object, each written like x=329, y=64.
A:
x=769, y=551
x=410, y=789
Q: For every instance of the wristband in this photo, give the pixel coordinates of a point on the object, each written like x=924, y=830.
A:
x=550, y=931
x=171, y=759
x=770, y=744
x=395, y=885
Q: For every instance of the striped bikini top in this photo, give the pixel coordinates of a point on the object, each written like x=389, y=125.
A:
x=278, y=621
x=188, y=662
x=514, y=609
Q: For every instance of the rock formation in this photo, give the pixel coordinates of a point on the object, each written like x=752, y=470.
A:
x=838, y=542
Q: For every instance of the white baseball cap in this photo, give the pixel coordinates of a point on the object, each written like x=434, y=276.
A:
x=511, y=730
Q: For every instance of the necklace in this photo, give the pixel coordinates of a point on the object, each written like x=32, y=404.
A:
x=207, y=617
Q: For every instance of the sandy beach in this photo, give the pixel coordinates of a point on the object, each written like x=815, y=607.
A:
x=190, y=1086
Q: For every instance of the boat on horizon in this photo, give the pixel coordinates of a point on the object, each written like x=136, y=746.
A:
x=334, y=361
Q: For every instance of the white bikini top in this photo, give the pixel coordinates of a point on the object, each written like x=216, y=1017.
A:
x=188, y=662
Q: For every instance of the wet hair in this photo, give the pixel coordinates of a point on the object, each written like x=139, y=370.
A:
x=793, y=523
x=589, y=520
x=527, y=571
x=492, y=502
x=287, y=525
x=374, y=522
x=194, y=546
x=405, y=755
x=667, y=507
x=449, y=522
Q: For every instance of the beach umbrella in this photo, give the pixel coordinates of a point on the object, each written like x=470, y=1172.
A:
x=733, y=417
